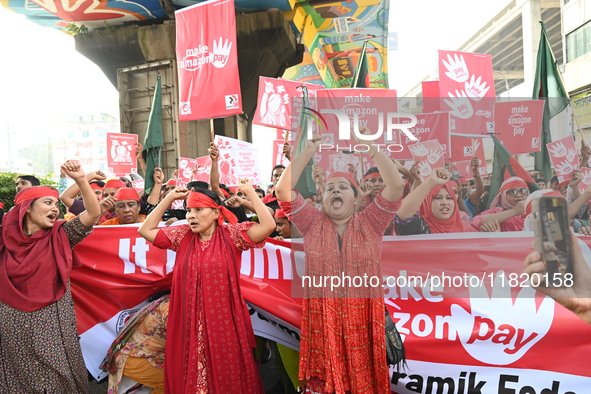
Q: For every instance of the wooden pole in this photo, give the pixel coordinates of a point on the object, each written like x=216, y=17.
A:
x=211, y=130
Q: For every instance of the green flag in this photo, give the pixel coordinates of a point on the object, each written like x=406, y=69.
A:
x=505, y=166
x=153, y=140
x=361, y=75
x=548, y=85
x=305, y=185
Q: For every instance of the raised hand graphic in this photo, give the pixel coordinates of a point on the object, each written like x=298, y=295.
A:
x=558, y=150
x=564, y=168
x=499, y=330
x=475, y=89
x=433, y=156
x=424, y=168
x=456, y=68
x=419, y=150
x=460, y=105
x=571, y=154
x=220, y=53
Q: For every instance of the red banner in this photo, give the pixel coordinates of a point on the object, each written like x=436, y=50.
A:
x=276, y=106
x=428, y=155
x=185, y=170
x=565, y=157
x=121, y=154
x=209, y=85
x=468, y=322
x=467, y=88
x=431, y=96
x=278, y=156
x=518, y=125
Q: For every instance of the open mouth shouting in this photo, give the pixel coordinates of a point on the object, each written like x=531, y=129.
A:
x=336, y=202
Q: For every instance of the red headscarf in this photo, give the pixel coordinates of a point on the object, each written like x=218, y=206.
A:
x=95, y=186
x=35, y=270
x=126, y=193
x=201, y=200
x=345, y=175
x=454, y=224
x=279, y=213
x=171, y=182
x=114, y=184
x=500, y=201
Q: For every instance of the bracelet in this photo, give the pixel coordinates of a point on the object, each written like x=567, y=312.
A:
x=371, y=157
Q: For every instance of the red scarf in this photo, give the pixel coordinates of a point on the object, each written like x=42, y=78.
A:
x=200, y=200
x=454, y=224
x=35, y=270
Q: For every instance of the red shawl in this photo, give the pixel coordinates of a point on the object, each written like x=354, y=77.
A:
x=209, y=334
x=35, y=270
x=454, y=224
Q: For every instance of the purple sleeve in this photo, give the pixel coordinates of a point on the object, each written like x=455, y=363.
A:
x=77, y=207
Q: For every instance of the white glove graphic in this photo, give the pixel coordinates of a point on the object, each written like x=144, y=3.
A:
x=558, y=150
x=476, y=90
x=460, y=105
x=564, y=168
x=499, y=331
x=571, y=154
x=433, y=156
x=475, y=146
x=424, y=168
x=419, y=150
x=220, y=53
x=586, y=178
x=456, y=68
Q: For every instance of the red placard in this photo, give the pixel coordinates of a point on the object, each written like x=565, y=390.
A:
x=278, y=156
x=186, y=167
x=467, y=87
x=371, y=105
x=276, y=106
x=428, y=155
x=565, y=157
x=429, y=127
x=204, y=164
x=586, y=179
x=121, y=153
x=209, y=85
x=431, y=96
x=518, y=125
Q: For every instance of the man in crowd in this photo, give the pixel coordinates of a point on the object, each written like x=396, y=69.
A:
x=24, y=181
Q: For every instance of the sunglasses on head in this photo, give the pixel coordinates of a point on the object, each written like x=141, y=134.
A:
x=513, y=192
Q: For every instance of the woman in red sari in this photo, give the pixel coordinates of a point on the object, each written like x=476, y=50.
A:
x=343, y=346
x=209, y=336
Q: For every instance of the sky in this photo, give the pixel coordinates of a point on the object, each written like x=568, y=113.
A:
x=44, y=76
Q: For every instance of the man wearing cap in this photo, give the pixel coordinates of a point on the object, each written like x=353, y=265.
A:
x=127, y=208
x=283, y=225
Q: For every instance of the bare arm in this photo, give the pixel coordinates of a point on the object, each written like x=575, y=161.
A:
x=477, y=194
x=140, y=159
x=69, y=195
x=214, y=174
x=74, y=171
x=502, y=217
x=412, y=202
x=266, y=226
x=293, y=172
x=576, y=205
x=149, y=228
x=154, y=197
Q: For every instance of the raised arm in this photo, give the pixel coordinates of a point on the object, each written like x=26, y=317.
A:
x=478, y=184
x=149, y=228
x=75, y=171
x=392, y=179
x=412, y=202
x=576, y=205
x=293, y=172
x=154, y=197
x=214, y=172
x=140, y=159
x=266, y=226
x=71, y=192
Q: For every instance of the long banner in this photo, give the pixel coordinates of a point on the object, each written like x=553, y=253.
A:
x=469, y=321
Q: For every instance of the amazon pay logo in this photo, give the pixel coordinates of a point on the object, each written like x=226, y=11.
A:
x=232, y=101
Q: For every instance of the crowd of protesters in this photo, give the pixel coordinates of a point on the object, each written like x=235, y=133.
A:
x=210, y=338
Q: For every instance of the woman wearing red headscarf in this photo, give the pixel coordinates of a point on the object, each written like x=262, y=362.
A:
x=438, y=212
x=507, y=207
x=39, y=350
x=343, y=346
x=209, y=336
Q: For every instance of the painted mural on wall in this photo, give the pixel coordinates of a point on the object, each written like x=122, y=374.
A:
x=333, y=33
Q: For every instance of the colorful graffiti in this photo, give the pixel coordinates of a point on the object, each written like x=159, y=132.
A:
x=333, y=33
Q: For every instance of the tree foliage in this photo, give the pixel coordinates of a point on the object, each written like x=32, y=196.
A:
x=7, y=186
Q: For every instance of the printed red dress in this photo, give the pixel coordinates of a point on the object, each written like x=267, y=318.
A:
x=209, y=335
x=343, y=345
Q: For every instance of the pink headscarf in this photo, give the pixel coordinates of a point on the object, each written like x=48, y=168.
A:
x=500, y=201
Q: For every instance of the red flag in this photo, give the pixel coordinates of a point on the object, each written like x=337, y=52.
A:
x=209, y=85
